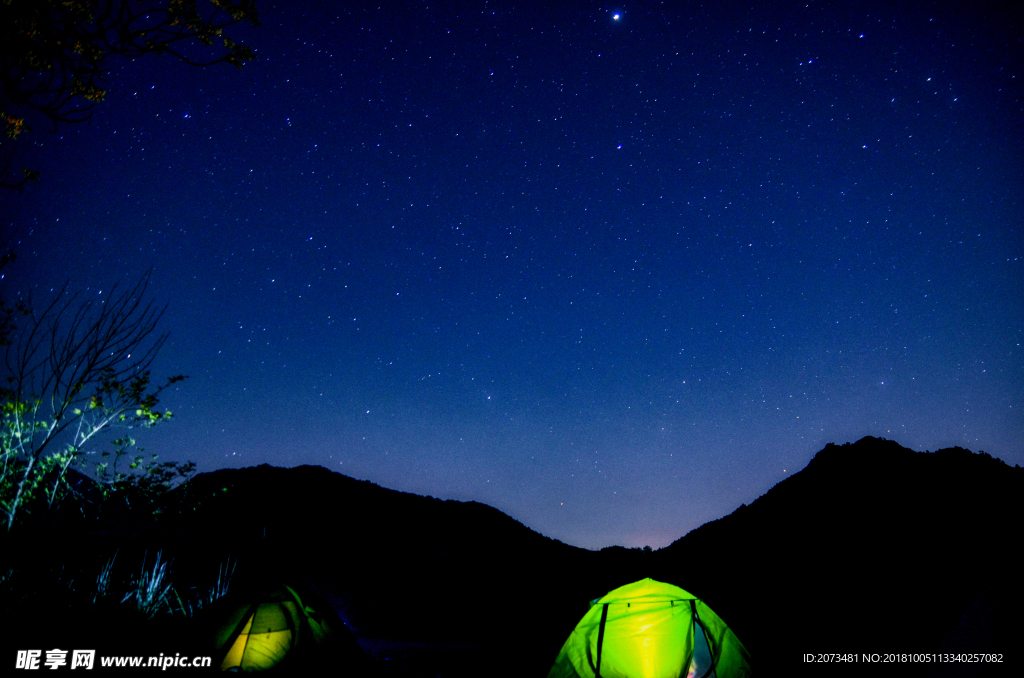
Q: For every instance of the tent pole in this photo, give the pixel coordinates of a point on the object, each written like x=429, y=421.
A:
x=600, y=639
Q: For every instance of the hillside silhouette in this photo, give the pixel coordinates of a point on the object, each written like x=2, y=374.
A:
x=872, y=548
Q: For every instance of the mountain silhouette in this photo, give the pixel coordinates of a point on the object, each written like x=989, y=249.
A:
x=872, y=548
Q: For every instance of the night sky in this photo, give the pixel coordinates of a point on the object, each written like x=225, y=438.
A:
x=614, y=270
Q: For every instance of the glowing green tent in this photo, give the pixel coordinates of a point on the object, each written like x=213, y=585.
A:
x=648, y=629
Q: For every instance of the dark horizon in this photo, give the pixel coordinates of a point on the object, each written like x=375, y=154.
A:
x=614, y=277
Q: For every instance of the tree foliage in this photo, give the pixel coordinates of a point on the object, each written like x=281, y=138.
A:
x=54, y=54
x=143, y=485
x=72, y=371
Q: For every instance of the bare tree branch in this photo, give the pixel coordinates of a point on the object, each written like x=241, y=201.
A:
x=73, y=370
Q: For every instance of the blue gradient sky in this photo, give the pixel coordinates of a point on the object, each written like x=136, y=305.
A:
x=612, y=277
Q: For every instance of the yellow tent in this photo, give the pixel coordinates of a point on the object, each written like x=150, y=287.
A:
x=649, y=629
x=260, y=634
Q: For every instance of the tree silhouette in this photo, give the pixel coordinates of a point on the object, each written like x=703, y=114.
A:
x=54, y=54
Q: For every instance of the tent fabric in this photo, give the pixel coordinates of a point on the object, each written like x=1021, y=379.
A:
x=259, y=634
x=649, y=629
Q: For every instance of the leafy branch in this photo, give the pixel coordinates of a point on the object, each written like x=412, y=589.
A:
x=54, y=54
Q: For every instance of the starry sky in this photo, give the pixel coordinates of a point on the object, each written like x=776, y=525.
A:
x=614, y=270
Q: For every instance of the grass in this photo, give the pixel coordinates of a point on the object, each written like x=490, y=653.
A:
x=103, y=580
x=149, y=593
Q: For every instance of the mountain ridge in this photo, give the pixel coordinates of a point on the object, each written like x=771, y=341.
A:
x=868, y=516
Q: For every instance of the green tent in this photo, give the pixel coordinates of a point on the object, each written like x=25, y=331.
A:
x=648, y=629
x=276, y=629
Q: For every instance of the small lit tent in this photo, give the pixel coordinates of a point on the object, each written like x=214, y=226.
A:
x=648, y=629
x=265, y=631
